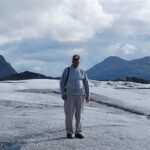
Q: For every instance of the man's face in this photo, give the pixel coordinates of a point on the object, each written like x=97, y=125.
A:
x=76, y=62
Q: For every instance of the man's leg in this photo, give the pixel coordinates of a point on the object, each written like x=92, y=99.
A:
x=79, y=103
x=69, y=108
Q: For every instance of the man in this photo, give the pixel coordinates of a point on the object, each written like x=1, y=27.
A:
x=74, y=89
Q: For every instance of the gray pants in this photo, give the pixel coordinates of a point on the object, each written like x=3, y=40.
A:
x=73, y=104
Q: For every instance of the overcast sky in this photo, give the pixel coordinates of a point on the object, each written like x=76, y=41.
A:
x=41, y=36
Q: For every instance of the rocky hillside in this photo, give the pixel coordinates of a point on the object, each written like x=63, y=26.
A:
x=5, y=68
x=115, y=67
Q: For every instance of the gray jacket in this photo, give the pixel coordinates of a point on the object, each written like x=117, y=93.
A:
x=77, y=83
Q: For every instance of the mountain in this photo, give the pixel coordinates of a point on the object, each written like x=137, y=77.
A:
x=115, y=67
x=26, y=75
x=5, y=68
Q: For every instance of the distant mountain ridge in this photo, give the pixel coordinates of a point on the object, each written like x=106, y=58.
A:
x=5, y=68
x=115, y=67
x=26, y=75
x=112, y=68
x=7, y=72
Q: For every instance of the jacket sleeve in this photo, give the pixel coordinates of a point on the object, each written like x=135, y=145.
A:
x=86, y=85
x=62, y=83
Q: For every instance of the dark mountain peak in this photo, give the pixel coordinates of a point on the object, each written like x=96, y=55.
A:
x=27, y=72
x=1, y=57
x=2, y=60
x=114, y=59
x=32, y=74
x=5, y=68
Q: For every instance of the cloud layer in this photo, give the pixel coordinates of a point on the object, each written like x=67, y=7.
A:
x=62, y=20
x=42, y=36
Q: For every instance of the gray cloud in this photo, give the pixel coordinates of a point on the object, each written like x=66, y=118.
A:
x=64, y=21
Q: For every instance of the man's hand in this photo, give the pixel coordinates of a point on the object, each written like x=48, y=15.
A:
x=87, y=99
x=64, y=97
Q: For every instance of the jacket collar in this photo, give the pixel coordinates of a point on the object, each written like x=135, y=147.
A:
x=74, y=66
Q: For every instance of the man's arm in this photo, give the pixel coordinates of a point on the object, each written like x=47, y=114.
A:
x=62, y=85
x=86, y=85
